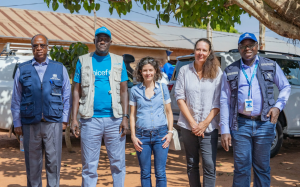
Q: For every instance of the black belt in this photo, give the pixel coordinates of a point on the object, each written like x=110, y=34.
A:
x=43, y=120
x=254, y=118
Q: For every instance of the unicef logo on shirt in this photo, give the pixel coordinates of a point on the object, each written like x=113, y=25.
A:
x=102, y=73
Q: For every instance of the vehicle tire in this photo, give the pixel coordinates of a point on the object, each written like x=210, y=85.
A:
x=277, y=142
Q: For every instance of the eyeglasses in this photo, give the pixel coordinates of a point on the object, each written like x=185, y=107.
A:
x=43, y=46
x=243, y=47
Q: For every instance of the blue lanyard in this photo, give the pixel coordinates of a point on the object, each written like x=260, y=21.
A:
x=247, y=78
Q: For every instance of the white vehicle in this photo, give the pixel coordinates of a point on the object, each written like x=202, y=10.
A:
x=8, y=60
x=288, y=124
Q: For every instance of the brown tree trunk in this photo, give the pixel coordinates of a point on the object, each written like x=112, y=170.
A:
x=262, y=32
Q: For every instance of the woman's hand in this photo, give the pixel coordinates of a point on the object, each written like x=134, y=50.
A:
x=137, y=143
x=199, y=129
x=168, y=139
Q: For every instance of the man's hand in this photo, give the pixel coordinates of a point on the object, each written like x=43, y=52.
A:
x=18, y=130
x=64, y=125
x=124, y=126
x=199, y=129
x=75, y=128
x=274, y=113
x=226, y=141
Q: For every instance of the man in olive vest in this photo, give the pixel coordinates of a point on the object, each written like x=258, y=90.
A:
x=249, y=111
x=101, y=93
x=40, y=106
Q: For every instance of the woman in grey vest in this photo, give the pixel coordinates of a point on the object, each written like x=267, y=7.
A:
x=197, y=92
x=148, y=122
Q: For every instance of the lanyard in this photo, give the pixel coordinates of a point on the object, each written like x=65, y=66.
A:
x=247, y=78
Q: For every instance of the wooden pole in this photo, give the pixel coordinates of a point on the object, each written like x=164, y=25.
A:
x=208, y=28
x=262, y=32
x=95, y=21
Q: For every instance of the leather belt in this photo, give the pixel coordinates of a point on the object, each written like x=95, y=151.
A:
x=43, y=120
x=254, y=118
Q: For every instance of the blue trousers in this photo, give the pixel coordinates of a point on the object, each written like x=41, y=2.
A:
x=152, y=142
x=251, y=147
x=92, y=132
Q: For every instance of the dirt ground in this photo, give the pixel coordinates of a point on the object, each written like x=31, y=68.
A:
x=285, y=166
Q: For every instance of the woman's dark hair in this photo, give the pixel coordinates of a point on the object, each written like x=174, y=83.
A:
x=144, y=61
x=212, y=64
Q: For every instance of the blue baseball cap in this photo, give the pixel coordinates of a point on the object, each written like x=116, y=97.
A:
x=103, y=30
x=247, y=35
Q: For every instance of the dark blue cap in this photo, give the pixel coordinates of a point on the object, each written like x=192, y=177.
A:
x=247, y=35
x=103, y=30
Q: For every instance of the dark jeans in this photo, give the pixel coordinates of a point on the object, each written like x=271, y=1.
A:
x=151, y=140
x=251, y=147
x=208, y=147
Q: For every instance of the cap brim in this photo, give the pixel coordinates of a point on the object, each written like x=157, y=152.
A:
x=248, y=39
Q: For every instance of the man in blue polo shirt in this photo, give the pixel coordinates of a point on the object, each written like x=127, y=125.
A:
x=101, y=95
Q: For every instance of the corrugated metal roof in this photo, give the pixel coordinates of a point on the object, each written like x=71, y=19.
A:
x=22, y=23
x=183, y=37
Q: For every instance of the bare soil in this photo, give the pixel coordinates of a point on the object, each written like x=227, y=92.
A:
x=285, y=166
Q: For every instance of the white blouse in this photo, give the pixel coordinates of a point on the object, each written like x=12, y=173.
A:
x=201, y=96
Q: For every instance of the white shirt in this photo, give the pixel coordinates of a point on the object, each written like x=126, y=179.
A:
x=201, y=96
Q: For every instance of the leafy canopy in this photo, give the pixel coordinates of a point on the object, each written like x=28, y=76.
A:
x=187, y=12
x=69, y=57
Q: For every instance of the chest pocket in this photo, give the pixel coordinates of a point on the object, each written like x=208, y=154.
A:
x=26, y=76
x=117, y=74
x=56, y=88
x=27, y=88
x=233, y=81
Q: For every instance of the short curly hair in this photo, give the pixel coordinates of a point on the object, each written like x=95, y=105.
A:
x=144, y=61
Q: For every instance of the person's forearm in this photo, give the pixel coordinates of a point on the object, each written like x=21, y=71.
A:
x=185, y=111
x=124, y=97
x=132, y=120
x=76, y=97
x=169, y=116
x=211, y=115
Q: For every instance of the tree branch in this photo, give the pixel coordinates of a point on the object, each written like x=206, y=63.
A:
x=289, y=9
x=265, y=15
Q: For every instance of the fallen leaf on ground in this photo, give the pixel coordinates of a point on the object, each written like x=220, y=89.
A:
x=133, y=153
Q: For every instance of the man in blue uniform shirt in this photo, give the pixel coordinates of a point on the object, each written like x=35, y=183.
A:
x=101, y=95
x=249, y=112
x=40, y=104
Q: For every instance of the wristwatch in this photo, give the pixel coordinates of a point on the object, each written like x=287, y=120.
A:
x=126, y=115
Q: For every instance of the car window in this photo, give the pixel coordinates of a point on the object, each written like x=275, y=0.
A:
x=179, y=65
x=291, y=70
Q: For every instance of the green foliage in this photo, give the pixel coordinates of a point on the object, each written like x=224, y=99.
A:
x=187, y=12
x=69, y=57
x=218, y=28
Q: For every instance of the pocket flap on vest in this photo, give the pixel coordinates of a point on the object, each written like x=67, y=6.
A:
x=271, y=102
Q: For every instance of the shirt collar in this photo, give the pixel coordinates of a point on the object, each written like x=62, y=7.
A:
x=142, y=85
x=256, y=61
x=46, y=62
x=192, y=67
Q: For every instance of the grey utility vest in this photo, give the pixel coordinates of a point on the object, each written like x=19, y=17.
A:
x=86, y=107
x=265, y=74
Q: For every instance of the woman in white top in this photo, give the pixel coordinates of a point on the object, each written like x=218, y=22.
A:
x=197, y=92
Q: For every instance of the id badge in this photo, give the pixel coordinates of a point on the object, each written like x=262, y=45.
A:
x=248, y=105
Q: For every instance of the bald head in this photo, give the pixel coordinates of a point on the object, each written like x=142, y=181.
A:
x=39, y=45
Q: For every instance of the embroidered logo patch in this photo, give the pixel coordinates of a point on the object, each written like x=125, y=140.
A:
x=232, y=73
x=267, y=64
x=54, y=77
